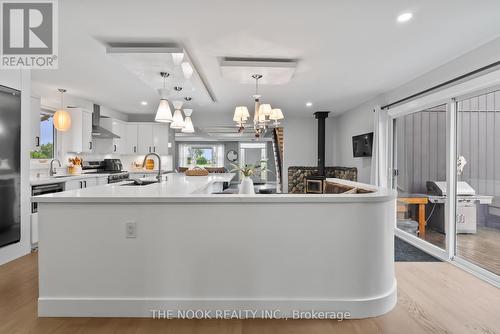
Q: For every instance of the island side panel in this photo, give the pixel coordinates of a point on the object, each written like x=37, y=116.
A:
x=320, y=255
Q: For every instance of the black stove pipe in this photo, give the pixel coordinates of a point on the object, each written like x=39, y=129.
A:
x=321, y=116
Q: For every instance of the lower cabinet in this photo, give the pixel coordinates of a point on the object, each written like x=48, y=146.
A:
x=84, y=183
x=73, y=184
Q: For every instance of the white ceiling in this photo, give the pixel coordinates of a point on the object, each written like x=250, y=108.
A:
x=348, y=51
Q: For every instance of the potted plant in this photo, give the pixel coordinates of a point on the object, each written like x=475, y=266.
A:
x=247, y=171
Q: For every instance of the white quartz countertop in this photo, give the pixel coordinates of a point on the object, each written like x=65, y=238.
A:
x=182, y=189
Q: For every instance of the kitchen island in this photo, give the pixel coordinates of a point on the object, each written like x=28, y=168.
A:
x=124, y=251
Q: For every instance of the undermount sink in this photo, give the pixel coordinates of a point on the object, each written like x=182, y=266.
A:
x=140, y=183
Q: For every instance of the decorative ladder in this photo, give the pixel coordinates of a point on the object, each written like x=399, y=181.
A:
x=278, y=148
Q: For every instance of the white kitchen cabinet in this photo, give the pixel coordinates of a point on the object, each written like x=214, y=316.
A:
x=81, y=183
x=113, y=145
x=160, y=138
x=35, y=123
x=144, y=138
x=73, y=184
x=78, y=138
x=90, y=182
x=130, y=130
x=119, y=143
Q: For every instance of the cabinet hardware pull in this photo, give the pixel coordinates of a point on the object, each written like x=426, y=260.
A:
x=154, y=148
x=115, y=147
x=85, y=182
x=37, y=141
x=149, y=149
x=81, y=184
x=90, y=145
x=135, y=149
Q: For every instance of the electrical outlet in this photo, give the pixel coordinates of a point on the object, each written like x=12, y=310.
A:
x=130, y=230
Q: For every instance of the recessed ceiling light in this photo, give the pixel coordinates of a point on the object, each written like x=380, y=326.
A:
x=144, y=103
x=309, y=104
x=405, y=17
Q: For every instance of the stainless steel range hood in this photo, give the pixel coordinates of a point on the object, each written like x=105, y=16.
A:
x=97, y=130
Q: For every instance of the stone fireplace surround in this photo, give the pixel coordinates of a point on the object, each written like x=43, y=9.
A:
x=298, y=174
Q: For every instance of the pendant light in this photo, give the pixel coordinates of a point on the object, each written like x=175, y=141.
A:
x=188, y=123
x=178, y=120
x=163, y=114
x=262, y=116
x=62, y=119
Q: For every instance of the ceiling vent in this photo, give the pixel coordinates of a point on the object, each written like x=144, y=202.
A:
x=274, y=71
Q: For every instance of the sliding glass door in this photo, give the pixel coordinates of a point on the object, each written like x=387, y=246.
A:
x=478, y=180
x=419, y=159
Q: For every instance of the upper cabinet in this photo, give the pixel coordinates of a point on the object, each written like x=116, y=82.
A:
x=130, y=146
x=160, y=138
x=151, y=138
x=114, y=145
x=135, y=138
x=78, y=138
x=145, y=138
x=35, y=109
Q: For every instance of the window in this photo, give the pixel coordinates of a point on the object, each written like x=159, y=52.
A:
x=47, y=135
x=201, y=155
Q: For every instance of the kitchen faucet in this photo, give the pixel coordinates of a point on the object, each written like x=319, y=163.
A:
x=158, y=177
x=52, y=172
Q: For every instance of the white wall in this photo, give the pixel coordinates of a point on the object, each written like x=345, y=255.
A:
x=21, y=80
x=360, y=119
x=349, y=124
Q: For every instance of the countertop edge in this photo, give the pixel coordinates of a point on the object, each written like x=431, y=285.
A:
x=226, y=198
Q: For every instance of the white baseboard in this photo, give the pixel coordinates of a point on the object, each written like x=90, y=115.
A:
x=142, y=307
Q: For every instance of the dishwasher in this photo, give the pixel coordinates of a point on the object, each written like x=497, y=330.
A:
x=37, y=190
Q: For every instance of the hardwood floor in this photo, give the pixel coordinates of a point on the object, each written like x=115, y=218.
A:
x=433, y=297
x=481, y=248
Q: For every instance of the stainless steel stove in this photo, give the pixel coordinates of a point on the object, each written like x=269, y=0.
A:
x=113, y=167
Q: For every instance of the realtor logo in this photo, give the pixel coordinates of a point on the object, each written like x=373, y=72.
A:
x=29, y=34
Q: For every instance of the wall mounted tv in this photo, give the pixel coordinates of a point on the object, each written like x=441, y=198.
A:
x=362, y=145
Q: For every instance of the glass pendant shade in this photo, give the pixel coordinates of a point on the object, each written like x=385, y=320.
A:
x=164, y=114
x=188, y=125
x=178, y=120
x=276, y=114
x=62, y=120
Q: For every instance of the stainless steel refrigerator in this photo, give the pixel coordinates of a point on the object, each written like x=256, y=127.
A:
x=10, y=166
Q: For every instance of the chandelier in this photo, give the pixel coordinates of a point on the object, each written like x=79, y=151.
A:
x=263, y=114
